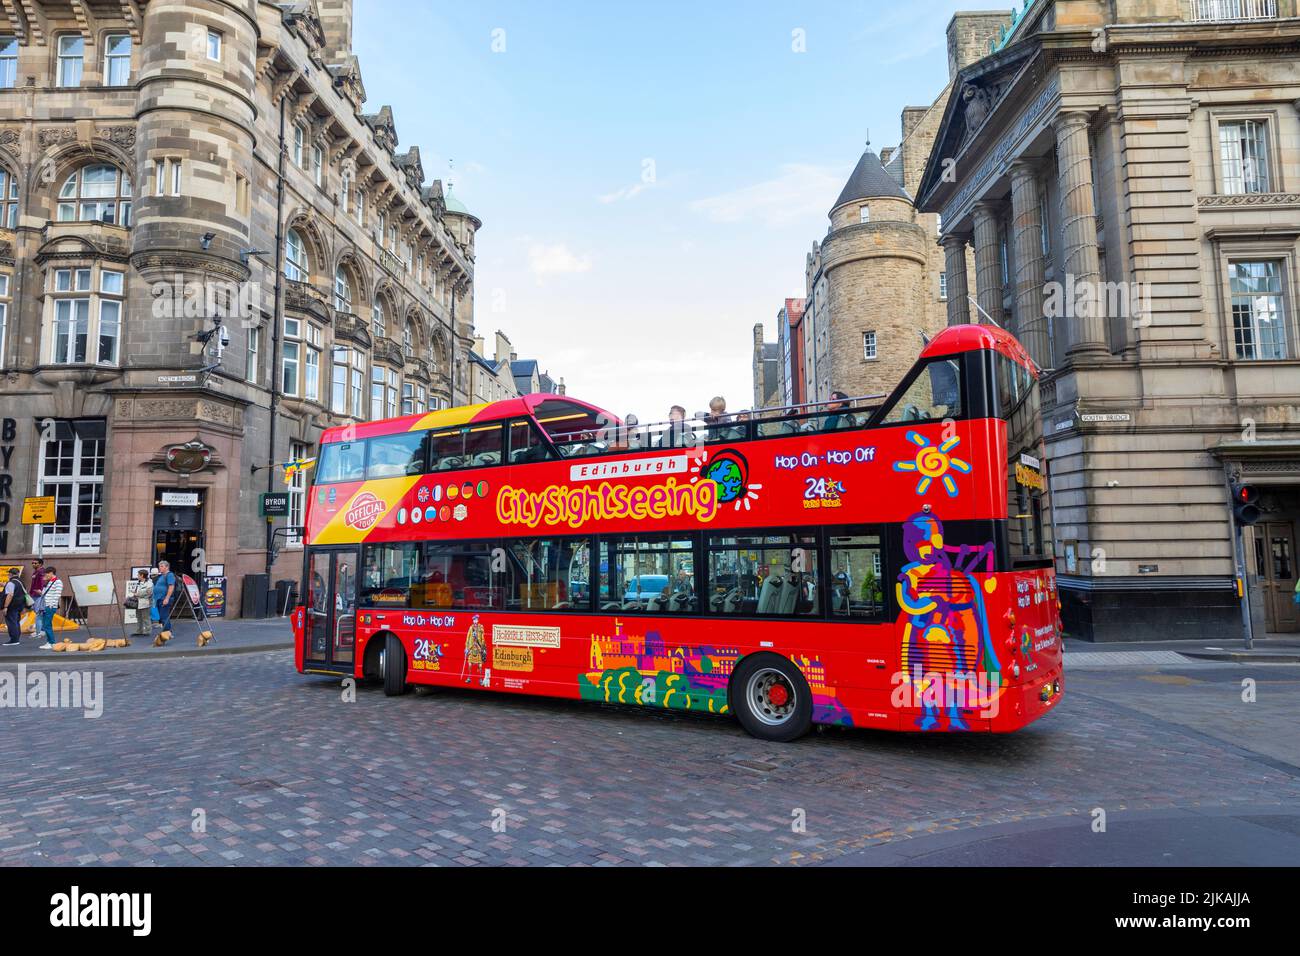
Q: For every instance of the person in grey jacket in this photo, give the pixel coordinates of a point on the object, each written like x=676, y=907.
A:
x=142, y=591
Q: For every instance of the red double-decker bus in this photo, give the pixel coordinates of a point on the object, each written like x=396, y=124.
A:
x=881, y=564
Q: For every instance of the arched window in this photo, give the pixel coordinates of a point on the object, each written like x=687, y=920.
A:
x=296, y=266
x=379, y=321
x=8, y=200
x=96, y=194
x=408, y=339
x=342, y=290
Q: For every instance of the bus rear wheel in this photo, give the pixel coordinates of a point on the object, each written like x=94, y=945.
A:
x=393, y=665
x=771, y=699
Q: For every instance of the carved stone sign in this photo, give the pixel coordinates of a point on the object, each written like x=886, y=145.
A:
x=189, y=458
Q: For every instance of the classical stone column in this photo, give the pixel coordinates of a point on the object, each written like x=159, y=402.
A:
x=1027, y=234
x=1079, y=224
x=954, y=250
x=988, y=264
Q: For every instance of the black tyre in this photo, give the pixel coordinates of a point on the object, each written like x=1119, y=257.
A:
x=770, y=698
x=394, y=667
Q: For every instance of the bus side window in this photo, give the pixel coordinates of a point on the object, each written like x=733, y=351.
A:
x=857, y=574
x=397, y=456
x=483, y=445
x=526, y=444
x=773, y=574
x=540, y=575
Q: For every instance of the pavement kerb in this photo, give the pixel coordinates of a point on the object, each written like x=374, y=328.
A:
x=78, y=657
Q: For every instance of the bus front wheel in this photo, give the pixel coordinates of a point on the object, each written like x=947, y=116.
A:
x=393, y=665
x=771, y=698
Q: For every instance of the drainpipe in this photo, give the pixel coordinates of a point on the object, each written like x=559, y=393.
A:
x=276, y=313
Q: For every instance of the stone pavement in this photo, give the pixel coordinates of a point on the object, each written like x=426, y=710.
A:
x=229, y=637
x=1275, y=650
x=285, y=769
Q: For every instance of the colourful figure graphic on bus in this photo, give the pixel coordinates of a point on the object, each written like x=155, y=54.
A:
x=947, y=653
x=475, y=651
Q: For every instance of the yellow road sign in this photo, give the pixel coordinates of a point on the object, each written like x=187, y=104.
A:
x=38, y=510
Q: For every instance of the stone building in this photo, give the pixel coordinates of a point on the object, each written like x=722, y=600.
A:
x=1128, y=175
x=210, y=250
x=766, y=371
x=492, y=379
x=876, y=282
x=789, y=336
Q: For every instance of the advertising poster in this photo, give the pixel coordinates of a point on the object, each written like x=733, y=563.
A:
x=214, y=597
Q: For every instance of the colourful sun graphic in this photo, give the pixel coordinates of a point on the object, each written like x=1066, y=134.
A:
x=934, y=463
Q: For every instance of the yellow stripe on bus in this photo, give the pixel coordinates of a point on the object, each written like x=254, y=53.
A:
x=390, y=491
x=448, y=416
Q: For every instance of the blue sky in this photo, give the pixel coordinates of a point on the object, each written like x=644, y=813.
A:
x=650, y=176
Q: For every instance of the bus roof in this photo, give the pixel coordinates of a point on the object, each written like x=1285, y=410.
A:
x=969, y=338
x=524, y=405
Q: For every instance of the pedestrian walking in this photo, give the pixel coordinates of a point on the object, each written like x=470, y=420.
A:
x=141, y=592
x=164, y=597
x=15, y=603
x=53, y=594
x=36, y=588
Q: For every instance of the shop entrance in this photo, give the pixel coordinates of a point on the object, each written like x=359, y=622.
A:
x=178, y=528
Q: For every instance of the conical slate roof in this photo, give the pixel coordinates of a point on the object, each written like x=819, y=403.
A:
x=870, y=181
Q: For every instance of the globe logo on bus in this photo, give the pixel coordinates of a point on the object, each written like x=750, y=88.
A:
x=729, y=470
x=729, y=473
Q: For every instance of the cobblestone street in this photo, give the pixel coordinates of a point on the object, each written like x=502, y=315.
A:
x=281, y=770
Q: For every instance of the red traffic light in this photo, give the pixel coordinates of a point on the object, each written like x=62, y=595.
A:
x=1244, y=508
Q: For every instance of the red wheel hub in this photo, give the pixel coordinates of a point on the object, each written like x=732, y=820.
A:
x=778, y=695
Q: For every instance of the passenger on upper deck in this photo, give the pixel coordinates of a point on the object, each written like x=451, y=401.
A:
x=838, y=415
x=675, y=435
x=717, y=409
x=721, y=426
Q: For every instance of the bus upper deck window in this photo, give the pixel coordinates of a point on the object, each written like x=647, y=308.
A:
x=397, y=456
x=342, y=461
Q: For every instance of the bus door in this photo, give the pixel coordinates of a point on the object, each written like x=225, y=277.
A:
x=330, y=624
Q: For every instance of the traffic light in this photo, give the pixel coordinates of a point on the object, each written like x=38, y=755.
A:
x=1244, y=504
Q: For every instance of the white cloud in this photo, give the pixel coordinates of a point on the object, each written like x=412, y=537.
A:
x=547, y=259
x=800, y=189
